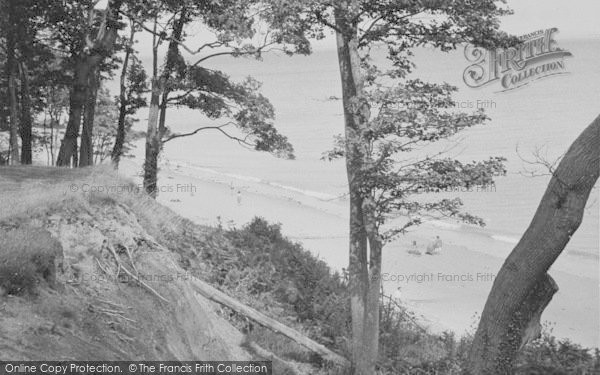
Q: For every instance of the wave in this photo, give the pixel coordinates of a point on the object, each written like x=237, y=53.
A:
x=504, y=238
x=583, y=254
x=309, y=193
x=444, y=225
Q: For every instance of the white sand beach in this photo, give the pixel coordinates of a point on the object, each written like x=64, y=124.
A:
x=447, y=290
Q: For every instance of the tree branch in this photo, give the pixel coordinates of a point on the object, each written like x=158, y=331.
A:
x=219, y=128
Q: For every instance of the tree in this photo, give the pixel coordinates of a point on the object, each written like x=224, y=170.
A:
x=10, y=24
x=106, y=128
x=88, y=51
x=32, y=66
x=183, y=83
x=133, y=84
x=55, y=106
x=386, y=116
x=522, y=288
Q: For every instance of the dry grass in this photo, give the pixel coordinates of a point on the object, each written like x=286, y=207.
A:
x=28, y=192
x=28, y=256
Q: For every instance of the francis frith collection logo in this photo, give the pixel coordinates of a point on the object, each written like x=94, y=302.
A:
x=537, y=56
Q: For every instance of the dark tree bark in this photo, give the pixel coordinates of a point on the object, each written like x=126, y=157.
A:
x=156, y=117
x=117, y=151
x=364, y=249
x=67, y=154
x=84, y=70
x=523, y=288
x=26, y=120
x=86, y=155
x=11, y=75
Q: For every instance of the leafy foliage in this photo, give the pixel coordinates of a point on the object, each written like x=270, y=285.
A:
x=105, y=127
x=136, y=86
x=396, y=117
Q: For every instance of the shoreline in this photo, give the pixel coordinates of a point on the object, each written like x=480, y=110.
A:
x=442, y=303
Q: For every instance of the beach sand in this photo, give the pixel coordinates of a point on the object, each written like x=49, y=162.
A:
x=447, y=291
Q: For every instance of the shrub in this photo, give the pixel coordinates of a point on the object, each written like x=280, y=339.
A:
x=259, y=261
x=27, y=256
x=561, y=355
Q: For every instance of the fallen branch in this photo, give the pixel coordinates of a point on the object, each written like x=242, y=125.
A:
x=217, y=296
x=121, y=267
x=113, y=303
x=101, y=267
x=264, y=353
x=116, y=315
x=131, y=259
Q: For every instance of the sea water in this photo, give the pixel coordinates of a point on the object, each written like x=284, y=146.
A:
x=546, y=115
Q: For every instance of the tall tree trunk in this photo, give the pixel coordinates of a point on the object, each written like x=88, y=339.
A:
x=155, y=130
x=67, y=154
x=152, y=142
x=3, y=126
x=522, y=288
x=117, y=151
x=11, y=75
x=86, y=155
x=87, y=64
x=26, y=120
x=52, y=139
x=364, y=288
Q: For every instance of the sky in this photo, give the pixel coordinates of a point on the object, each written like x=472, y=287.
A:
x=574, y=18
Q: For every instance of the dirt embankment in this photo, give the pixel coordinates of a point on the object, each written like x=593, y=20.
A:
x=105, y=289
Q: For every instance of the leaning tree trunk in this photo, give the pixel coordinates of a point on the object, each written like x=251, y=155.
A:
x=522, y=288
x=363, y=287
x=26, y=120
x=86, y=155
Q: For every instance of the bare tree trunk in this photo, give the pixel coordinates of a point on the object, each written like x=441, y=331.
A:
x=117, y=151
x=162, y=118
x=522, y=288
x=52, y=139
x=155, y=130
x=11, y=74
x=364, y=288
x=67, y=154
x=26, y=120
x=152, y=142
x=86, y=155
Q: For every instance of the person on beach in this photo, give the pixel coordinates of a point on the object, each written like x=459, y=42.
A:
x=231, y=188
x=239, y=198
x=398, y=294
x=430, y=247
x=434, y=246
x=414, y=249
x=437, y=245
